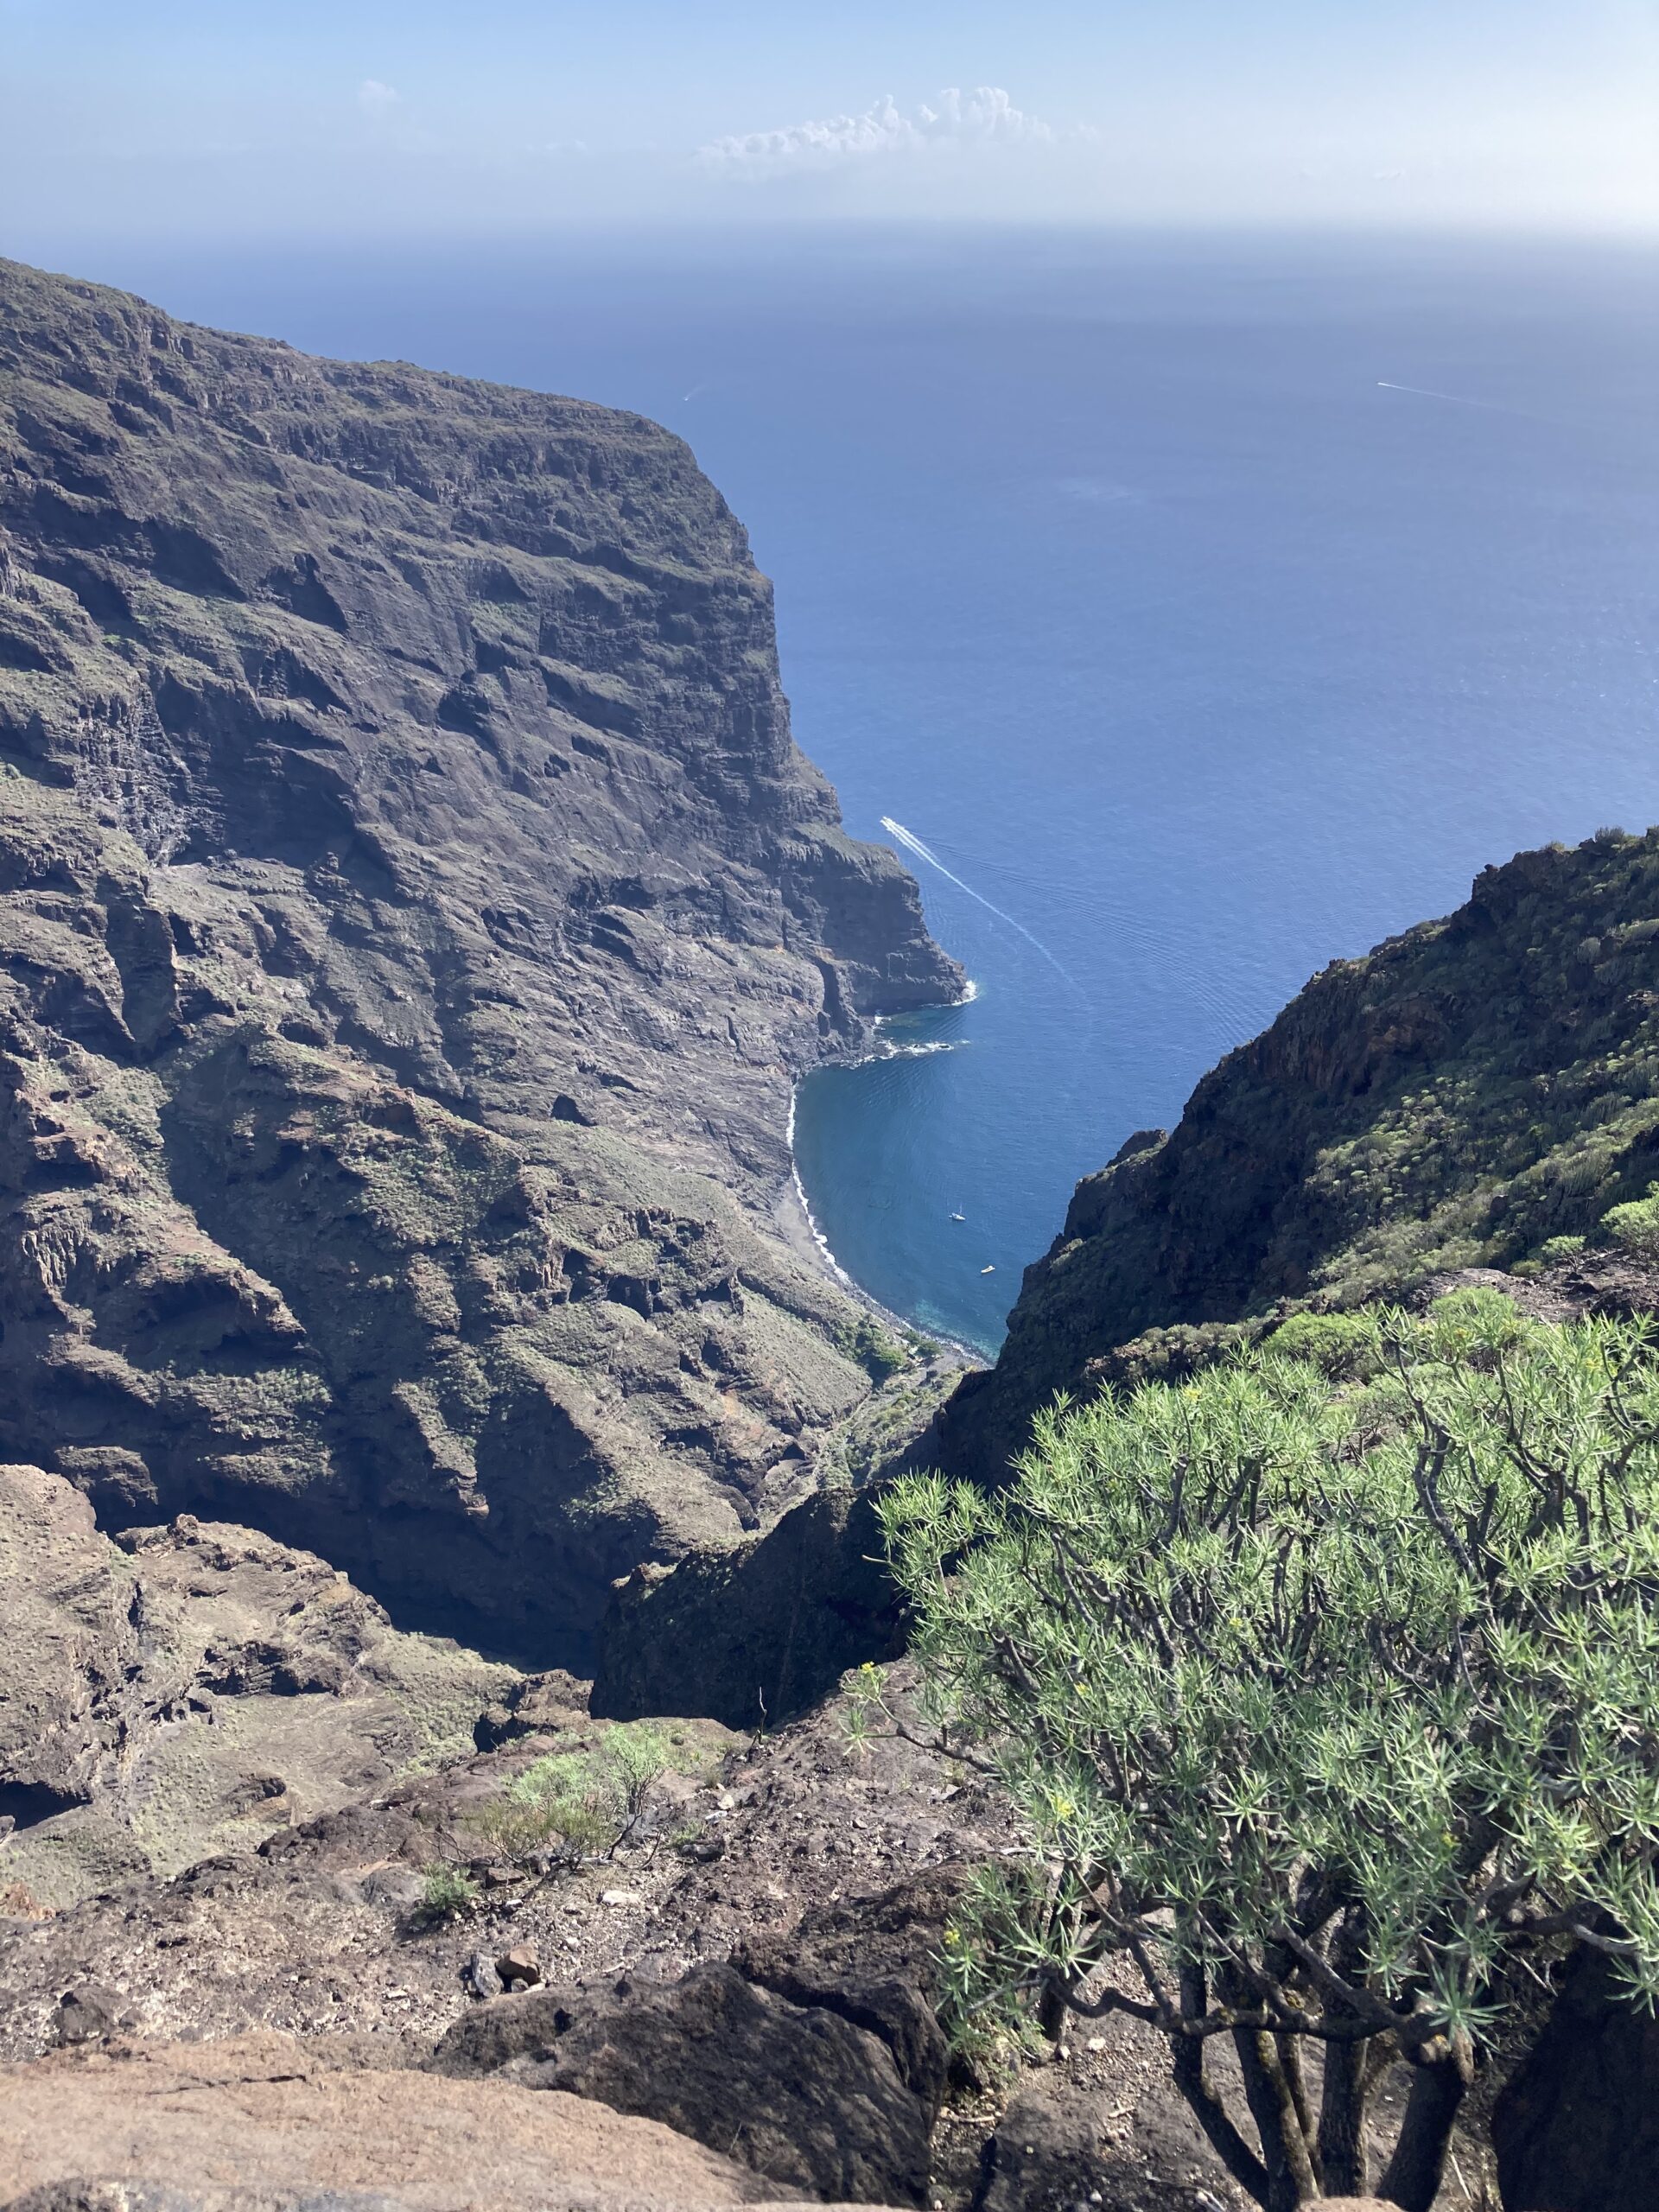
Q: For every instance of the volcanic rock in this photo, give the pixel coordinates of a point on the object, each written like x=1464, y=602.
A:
x=873, y=1960
x=1576, y=2128
x=414, y=914
x=797, y=2093
x=190, y=1689
x=276, y=2123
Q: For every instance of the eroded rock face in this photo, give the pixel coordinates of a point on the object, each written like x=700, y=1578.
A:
x=193, y=1689
x=413, y=915
x=874, y=1960
x=1057, y=2148
x=756, y=1632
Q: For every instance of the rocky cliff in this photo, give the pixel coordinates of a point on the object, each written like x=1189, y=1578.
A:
x=414, y=912
x=1462, y=1096
x=190, y=1689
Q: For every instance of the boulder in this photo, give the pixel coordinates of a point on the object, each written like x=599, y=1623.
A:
x=88, y=2014
x=872, y=1959
x=479, y=1976
x=796, y=2092
x=1058, y=2150
x=277, y=2123
x=1577, y=2127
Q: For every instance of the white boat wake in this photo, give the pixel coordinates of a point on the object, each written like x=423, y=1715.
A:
x=912, y=843
x=1461, y=399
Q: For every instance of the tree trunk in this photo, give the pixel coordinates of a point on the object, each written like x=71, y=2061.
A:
x=1052, y=2010
x=1285, y=2149
x=1192, y=2078
x=1413, y=2178
x=1290, y=2051
x=1344, y=2162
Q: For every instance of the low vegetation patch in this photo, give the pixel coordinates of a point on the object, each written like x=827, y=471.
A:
x=1635, y=1225
x=447, y=1893
x=878, y=1352
x=582, y=1804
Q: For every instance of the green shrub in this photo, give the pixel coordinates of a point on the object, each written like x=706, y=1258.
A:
x=1337, y=1343
x=577, y=1805
x=879, y=1354
x=1559, y=1248
x=1635, y=1225
x=448, y=1892
x=1317, y=1703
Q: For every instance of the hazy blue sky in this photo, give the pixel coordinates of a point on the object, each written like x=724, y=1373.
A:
x=309, y=118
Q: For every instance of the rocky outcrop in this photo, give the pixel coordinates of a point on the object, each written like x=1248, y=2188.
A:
x=1576, y=2127
x=797, y=2092
x=273, y=2123
x=1458, y=1097
x=876, y=1962
x=816, y=2057
x=1057, y=2146
x=756, y=1632
x=414, y=914
x=192, y=1689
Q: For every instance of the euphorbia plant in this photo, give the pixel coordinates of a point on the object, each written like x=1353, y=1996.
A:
x=1317, y=1700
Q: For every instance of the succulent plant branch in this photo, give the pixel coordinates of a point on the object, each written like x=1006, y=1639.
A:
x=1320, y=1701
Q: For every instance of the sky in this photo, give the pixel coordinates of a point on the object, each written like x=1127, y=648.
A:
x=324, y=120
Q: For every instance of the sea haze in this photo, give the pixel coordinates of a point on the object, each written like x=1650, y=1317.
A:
x=1207, y=609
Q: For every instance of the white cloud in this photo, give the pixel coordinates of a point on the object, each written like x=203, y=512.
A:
x=374, y=98
x=986, y=116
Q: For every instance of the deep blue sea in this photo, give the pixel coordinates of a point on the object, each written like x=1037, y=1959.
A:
x=1206, y=607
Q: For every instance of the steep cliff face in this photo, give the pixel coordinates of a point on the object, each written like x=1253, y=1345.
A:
x=414, y=914
x=1458, y=1097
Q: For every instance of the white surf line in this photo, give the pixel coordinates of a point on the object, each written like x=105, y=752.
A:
x=818, y=1236
x=913, y=844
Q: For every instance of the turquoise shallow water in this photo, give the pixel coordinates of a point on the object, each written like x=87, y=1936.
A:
x=1209, y=609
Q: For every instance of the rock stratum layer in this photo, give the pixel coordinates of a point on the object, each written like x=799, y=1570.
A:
x=1459, y=1098
x=414, y=914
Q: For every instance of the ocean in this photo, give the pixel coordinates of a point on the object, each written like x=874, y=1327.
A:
x=1192, y=611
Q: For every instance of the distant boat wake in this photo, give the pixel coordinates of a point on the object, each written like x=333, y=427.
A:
x=912, y=843
x=1456, y=399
